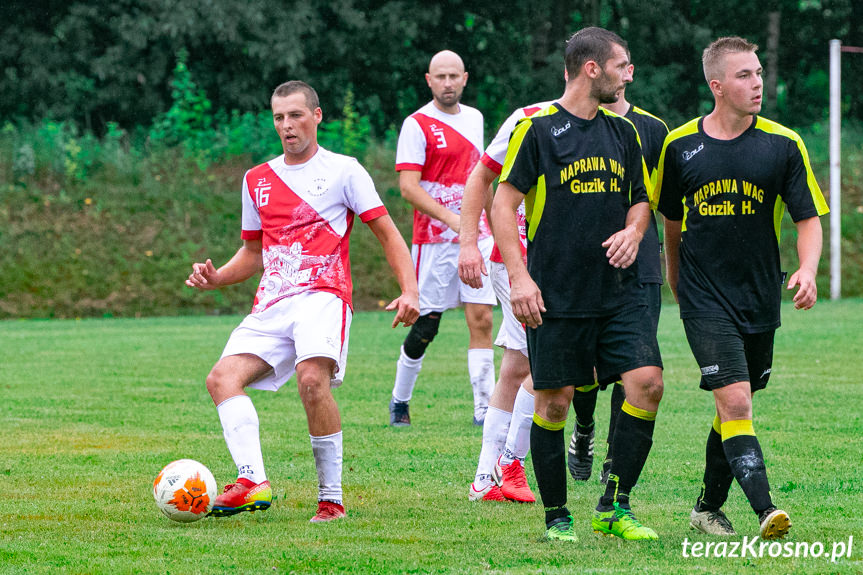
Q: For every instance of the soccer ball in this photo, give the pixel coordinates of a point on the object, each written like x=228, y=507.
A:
x=185, y=490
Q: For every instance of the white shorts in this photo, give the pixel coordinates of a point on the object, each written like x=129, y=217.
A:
x=511, y=334
x=296, y=328
x=437, y=275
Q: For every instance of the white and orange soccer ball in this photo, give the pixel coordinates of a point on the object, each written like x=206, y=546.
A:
x=185, y=490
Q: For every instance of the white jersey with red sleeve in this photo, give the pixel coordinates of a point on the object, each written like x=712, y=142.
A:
x=304, y=215
x=493, y=158
x=444, y=148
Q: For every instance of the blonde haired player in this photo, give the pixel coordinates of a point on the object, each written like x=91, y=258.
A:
x=724, y=182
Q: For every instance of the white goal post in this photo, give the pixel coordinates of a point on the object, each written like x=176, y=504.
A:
x=836, y=49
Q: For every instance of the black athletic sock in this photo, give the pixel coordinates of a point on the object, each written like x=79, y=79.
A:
x=744, y=456
x=617, y=397
x=717, y=473
x=548, y=453
x=584, y=403
x=633, y=439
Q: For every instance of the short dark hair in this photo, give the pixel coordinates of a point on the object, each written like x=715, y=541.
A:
x=591, y=44
x=295, y=86
x=713, y=58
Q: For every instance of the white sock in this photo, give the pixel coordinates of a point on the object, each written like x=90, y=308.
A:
x=407, y=370
x=242, y=434
x=518, y=438
x=328, y=462
x=480, y=368
x=493, y=438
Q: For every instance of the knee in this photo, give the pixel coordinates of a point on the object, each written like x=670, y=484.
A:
x=313, y=385
x=557, y=409
x=655, y=388
x=216, y=383
x=514, y=369
x=651, y=387
x=480, y=319
x=735, y=409
x=422, y=333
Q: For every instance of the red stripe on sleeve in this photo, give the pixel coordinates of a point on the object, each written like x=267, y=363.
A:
x=406, y=166
x=252, y=234
x=491, y=164
x=373, y=214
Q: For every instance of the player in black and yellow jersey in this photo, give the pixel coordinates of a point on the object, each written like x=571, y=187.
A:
x=652, y=132
x=580, y=172
x=724, y=182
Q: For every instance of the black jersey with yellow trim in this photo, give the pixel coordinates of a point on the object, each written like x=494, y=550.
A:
x=652, y=132
x=731, y=196
x=580, y=178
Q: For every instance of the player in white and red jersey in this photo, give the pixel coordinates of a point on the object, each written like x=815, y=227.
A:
x=506, y=433
x=438, y=146
x=298, y=211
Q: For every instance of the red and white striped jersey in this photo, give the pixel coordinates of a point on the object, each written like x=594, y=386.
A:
x=304, y=215
x=493, y=158
x=444, y=148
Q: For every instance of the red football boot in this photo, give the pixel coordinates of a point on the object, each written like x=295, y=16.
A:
x=327, y=511
x=243, y=496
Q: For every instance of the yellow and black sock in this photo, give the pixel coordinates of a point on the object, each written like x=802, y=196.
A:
x=617, y=397
x=584, y=403
x=717, y=472
x=633, y=439
x=746, y=461
x=548, y=453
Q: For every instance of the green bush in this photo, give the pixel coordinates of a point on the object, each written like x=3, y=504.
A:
x=109, y=226
x=206, y=136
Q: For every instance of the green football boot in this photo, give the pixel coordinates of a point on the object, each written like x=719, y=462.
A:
x=561, y=530
x=621, y=522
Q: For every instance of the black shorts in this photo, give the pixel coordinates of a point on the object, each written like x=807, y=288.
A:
x=564, y=351
x=654, y=306
x=726, y=355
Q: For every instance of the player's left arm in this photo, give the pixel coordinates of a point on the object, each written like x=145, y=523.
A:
x=623, y=245
x=809, y=242
x=399, y=258
x=805, y=204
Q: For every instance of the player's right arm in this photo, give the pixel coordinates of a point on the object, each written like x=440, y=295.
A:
x=416, y=196
x=247, y=262
x=668, y=196
x=526, y=299
x=410, y=161
x=477, y=195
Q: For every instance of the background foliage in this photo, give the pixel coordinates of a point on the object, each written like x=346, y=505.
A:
x=126, y=126
x=100, y=61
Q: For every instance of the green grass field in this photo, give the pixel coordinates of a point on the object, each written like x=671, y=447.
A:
x=91, y=410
